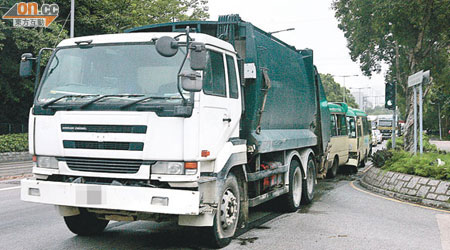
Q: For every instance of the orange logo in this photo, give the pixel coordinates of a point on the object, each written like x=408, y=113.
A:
x=29, y=14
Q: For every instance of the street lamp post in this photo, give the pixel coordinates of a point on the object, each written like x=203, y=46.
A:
x=343, y=90
x=361, y=100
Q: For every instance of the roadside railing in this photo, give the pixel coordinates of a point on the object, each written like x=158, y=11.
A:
x=13, y=128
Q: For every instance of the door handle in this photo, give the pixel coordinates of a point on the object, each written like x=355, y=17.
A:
x=226, y=119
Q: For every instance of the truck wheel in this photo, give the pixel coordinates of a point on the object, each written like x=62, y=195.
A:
x=291, y=200
x=333, y=170
x=85, y=224
x=227, y=215
x=309, y=183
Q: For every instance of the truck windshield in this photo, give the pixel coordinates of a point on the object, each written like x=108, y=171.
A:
x=120, y=71
x=385, y=123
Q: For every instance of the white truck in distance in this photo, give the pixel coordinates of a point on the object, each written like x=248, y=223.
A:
x=169, y=122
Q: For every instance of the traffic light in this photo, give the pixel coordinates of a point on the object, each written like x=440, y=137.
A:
x=389, y=96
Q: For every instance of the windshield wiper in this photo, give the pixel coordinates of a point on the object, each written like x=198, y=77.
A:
x=126, y=105
x=105, y=96
x=45, y=105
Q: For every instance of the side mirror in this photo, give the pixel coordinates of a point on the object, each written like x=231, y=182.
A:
x=26, y=65
x=166, y=46
x=191, y=81
x=198, y=56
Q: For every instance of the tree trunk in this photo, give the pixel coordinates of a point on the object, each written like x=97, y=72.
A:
x=408, y=141
x=409, y=124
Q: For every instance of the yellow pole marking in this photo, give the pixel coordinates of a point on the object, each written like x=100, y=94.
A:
x=395, y=200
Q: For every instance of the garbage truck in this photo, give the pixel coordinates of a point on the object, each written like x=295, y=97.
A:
x=193, y=121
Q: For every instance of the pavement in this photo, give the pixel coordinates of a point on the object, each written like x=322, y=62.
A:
x=442, y=145
x=10, y=170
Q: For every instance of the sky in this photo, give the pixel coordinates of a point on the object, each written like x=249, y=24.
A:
x=315, y=28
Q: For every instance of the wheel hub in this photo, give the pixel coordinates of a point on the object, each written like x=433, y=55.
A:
x=228, y=209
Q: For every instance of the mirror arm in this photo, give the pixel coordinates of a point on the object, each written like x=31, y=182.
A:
x=182, y=65
x=38, y=67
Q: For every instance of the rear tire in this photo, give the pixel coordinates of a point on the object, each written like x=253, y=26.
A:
x=309, y=184
x=85, y=224
x=291, y=201
x=227, y=215
x=334, y=169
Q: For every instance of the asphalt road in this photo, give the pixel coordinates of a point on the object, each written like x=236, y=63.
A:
x=8, y=169
x=343, y=216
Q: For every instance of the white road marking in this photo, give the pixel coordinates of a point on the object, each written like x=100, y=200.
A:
x=443, y=221
x=10, y=188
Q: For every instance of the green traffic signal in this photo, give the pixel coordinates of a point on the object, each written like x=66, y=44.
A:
x=389, y=101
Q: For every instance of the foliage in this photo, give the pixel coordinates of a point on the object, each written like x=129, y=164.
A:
x=427, y=146
x=380, y=157
x=91, y=17
x=14, y=143
x=425, y=165
x=406, y=35
x=334, y=91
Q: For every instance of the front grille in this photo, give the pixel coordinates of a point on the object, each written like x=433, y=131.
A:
x=121, y=166
x=131, y=129
x=133, y=146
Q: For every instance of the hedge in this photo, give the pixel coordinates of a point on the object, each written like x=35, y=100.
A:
x=432, y=164
x=14, y=143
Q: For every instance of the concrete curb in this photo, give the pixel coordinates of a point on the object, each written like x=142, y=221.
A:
x=15, y=157
x=426, y=191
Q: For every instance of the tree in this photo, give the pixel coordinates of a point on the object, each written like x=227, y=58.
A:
x=334, y=91
x=406, y=35
x=92, y=17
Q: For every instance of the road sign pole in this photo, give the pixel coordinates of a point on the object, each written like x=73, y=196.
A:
x=420, y=120
x=394, y=120
x=415, y=120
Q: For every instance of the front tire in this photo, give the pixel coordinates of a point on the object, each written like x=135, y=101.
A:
x=85, y=224
x=309, y=184
x=333, y=170
x=227, y=215
x=363, y=162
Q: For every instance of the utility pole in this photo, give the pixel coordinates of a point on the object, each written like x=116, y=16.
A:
x=343, y=90
x=439, y=114
x=439, y=118
x=72, y=18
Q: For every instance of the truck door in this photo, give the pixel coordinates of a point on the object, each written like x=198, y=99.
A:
x=218, y=118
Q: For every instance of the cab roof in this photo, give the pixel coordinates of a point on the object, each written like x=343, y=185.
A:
x=145, y=37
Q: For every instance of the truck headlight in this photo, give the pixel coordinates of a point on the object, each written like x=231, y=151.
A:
x=46, y=162
x=165, y=167
x=174, y=168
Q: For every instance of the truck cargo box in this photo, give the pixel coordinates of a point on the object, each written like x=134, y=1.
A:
x=285, y=104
